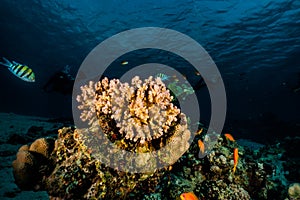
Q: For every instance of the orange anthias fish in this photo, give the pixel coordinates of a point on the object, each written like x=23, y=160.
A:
x=188, y=196
x=235, y=158
x=199, y=131
x=197, y=73
x=201, y=146
x=229, y=137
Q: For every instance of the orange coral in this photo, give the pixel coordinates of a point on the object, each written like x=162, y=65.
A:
x=42, y=146
x=24, y=148
x=24, y=170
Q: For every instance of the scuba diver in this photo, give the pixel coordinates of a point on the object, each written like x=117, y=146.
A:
x=61, y=82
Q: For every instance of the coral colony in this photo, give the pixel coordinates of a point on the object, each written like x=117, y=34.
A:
x=142, y=111
x=141, y=117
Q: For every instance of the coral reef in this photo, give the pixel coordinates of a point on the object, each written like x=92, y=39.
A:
x=291, y=157
x=69, y=168
x=76, y=174
x=138, y=118
x=142, y=111
x=79, y=175
x=212, y=177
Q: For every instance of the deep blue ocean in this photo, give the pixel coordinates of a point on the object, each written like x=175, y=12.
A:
x=255, y=45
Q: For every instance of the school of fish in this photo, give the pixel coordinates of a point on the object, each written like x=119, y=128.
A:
x=229, y=137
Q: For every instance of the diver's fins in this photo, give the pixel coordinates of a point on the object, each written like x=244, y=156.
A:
x=7, y=62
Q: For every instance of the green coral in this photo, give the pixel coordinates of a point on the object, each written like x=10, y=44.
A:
x=180, y=91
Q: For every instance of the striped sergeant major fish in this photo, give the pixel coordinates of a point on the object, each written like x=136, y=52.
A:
x=19, y=70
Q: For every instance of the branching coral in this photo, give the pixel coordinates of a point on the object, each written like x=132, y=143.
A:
x=139, y=118
x=142, y=111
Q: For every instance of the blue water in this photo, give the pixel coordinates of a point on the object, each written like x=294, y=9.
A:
x=255, y=44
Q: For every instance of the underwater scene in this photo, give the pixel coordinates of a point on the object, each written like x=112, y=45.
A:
x=150, y=100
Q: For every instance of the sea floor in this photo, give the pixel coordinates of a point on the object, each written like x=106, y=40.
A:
x=15, y=131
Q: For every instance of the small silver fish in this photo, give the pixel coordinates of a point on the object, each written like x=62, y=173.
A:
x=21, y=71
x=162, y=76
x=124, y=62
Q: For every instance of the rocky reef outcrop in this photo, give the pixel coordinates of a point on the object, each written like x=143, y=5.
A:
x=141, y=118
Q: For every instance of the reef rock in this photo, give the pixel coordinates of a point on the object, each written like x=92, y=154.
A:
x=33, y=163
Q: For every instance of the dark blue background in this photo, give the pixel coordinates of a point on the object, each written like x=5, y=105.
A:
x=255, y=44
